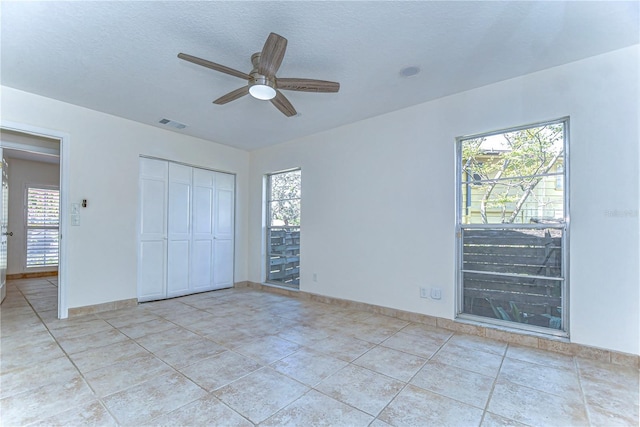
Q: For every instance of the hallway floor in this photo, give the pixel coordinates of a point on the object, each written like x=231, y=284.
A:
x=241, y=357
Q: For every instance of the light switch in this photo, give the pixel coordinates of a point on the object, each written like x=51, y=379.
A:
x=75, y=220
x=75, y=208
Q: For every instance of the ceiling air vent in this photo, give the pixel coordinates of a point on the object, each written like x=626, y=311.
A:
x=173, y=124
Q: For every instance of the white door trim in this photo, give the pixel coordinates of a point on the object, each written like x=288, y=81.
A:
x=65, y=141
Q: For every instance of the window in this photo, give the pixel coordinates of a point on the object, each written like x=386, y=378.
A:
x=512, y=228
x=43, y=221
x=283, y=228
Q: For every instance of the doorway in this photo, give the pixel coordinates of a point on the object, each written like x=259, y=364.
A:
x=36, y=166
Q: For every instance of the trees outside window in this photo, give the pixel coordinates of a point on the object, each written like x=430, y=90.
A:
x=284, y=193
x=512, y=228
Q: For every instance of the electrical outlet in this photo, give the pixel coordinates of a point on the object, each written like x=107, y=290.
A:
x=424, y=293
x=436, y=293
x=315, y=277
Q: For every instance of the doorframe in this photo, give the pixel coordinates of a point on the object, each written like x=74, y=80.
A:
x=65, y=142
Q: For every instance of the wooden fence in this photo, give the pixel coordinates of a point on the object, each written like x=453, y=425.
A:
x=284, y=255
x=514, y=255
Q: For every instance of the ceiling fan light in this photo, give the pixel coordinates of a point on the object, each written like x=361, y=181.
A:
x=263, y=92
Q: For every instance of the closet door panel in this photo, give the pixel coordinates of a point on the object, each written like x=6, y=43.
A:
x=202, y=265
x=152, y=225
x=178, y=271
x=203, y=236
x=223, y=264
x=223, y=230
x=151, y=270
x=179, y=230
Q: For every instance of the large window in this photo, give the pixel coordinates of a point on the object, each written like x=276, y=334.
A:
x=43, y=221
x=283, y=228
x=512, y=227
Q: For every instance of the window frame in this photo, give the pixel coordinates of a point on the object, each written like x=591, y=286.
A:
x=268, y=227
x=27, y=227
x=564, y=330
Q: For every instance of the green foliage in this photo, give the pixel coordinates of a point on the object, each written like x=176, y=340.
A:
x=510, y=165
x=284, y=198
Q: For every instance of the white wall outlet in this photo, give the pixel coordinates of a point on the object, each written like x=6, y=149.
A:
x=436, y=293
x=424, y=293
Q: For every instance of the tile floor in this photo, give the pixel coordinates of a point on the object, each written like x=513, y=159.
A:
x=242, y=357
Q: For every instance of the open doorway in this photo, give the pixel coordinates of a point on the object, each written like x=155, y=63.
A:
x=31, y=234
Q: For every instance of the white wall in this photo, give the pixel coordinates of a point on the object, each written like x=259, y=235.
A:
x=21, y=174
x=104, y=151
x=378, y=196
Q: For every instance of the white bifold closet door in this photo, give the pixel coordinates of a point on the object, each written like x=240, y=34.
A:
x=196, y=213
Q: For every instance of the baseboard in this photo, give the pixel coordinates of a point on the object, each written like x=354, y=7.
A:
x=98, y=308
x=33, y=275
x=556, y=345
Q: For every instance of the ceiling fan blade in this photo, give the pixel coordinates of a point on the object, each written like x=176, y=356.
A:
x=272, y=55
x=308, y=85
x=214, y=66
x=232, y=96
x=283, y=104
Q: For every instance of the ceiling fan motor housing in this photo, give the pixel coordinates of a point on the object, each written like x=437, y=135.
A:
x=261, y=86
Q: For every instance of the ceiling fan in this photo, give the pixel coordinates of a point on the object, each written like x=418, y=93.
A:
x=262, y=81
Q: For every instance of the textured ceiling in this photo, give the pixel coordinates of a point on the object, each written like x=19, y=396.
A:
x=120, y=57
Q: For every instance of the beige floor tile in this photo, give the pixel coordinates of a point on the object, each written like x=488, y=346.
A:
x=361, y=388
x=220, y=370
x=132, y=316
x=424, y=347
x=90, y=414
x=379, y=423
x=139, y=330
x=304, y=335
x=562, y=382
x=540, y=357
x=162, y=340
x=261, y=394
x=372, y=333
x=471, y=360
x=48, y=316
x=393, y=363
x=24, y=326
x=466, y=386
x=624, y=376
x=230, y=337
x=125, y=374
x=87, y=342
x=308, y=366
x=193, y=334
x=437, y=335
x=45, y=401
x=343, y=347
x=206, y=411
x=190, y=352
x=97, y=358
x=316, y=409
x=493, y=420
x=79, y=328
x=535, y=407
x=36, y=375
x=473, y=342
x=23, y=351
x=417, y=407
x=601, y=417
x=143, y=402
x=613, y=388
x=267, y=349
x=613, y=397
